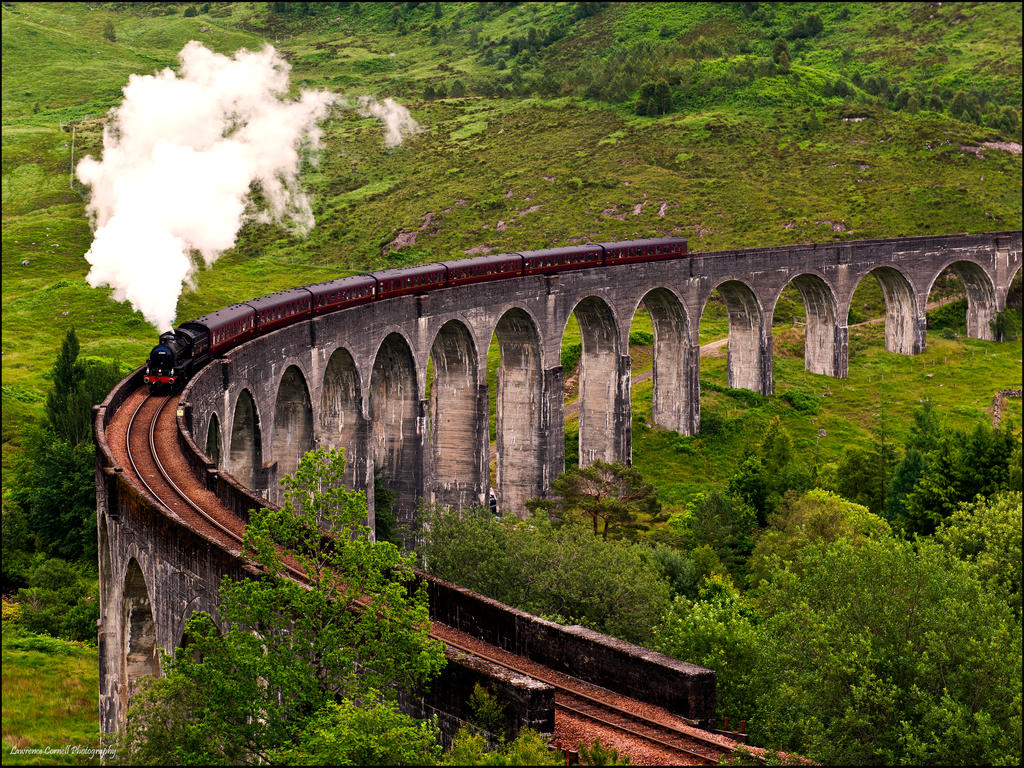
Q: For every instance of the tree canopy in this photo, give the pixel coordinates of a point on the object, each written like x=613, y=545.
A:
x=291, y=667
x=608, y=495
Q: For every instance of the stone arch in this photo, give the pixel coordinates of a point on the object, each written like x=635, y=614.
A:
x=825, y=341
x=981, y=297
x=213, y=451
x=749, y=351
x=245, y=454
x=600, y=400
x=394, y=422
x=455, y=422
x=676, y=388
x=341, y=415
x=138, y=627
x=904, y=328
x=293, y=421
x=519, y=411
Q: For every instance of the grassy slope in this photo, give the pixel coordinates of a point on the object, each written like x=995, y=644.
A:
x=50, y=700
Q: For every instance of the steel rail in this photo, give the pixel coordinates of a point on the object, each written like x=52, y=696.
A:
x=646, y=721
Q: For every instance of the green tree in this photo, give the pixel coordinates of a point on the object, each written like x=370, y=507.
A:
x=108, y=32
x=718, y=630
x=779, y=47
x=598, y=754
x=564, y=572
x=53, y=481
x=60, y=601
x=987, y=534
x=77, y=386
x=726, y=525
x=861, y=477
x=348, y=733
x=958, y=106
x=766, y=474
x=961, y=466
x=54, y=486
x=783, y=63
x=266, y=683
x=528, y=748
x=608, y=495
x=812, y=517
x=887, y=652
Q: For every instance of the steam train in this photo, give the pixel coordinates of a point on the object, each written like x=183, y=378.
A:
x=182, y=352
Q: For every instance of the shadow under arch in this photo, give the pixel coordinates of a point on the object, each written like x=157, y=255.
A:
x=519, y=408
x=676, y=392
x=981, y=298
x=245, y=454
x=139, y=638
x=904, y=330
x=825, y=341
x=749, y=344
x=213, y=441
x=293, y=422
x=456, y=422
x=394, y=423
x=341, y=415
x=600, y=402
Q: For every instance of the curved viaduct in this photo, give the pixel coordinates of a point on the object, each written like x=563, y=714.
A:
x=359, y=379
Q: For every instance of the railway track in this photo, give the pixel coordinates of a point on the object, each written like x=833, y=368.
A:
x=576, y=702
x=152, y=423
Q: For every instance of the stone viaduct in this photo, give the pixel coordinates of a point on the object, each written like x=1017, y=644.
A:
x=359, y=379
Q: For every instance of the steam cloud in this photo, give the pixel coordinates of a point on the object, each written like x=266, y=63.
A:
x=396, y=118
x=178, y=162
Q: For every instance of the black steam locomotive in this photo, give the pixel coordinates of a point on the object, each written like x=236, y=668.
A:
x=182, y=352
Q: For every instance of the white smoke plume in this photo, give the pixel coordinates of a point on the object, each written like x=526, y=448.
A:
x=178, y=162
x=396, y=118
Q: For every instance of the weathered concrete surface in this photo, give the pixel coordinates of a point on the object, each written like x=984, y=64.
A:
x=528, y=703
x=631, y=670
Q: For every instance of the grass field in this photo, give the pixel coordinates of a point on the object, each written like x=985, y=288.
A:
x=50, y=701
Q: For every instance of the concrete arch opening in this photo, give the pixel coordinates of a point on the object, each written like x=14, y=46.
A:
x=341, y=415
x=139, y=640
x=960, y=283
x=817, y=309
x=1012, y=300
x=245, y=454
x=213, y=441
x=748, y=364
x=519, y=404
x=293, y=421
x=395, y=429
x=455, y=421
x=904, y=330
x=601, y=401
x=675, y=393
